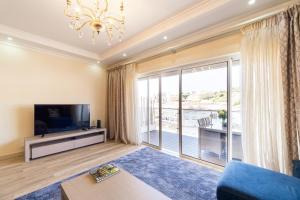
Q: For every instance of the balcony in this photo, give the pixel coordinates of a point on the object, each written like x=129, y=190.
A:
x=207, y=143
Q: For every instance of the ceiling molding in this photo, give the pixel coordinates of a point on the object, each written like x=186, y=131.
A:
x=35, y=48
x=42, y=42
x=37, y=42
x=198, y=9
x=217, y=30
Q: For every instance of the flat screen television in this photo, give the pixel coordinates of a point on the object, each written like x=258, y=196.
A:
x=59, y=118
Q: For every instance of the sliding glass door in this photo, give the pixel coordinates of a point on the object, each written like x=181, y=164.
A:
x=143, y=109
x=154, y=111
x=194, y=111
x=236, y=114
x=149, y=110
x=170, y=111
x=204, y=113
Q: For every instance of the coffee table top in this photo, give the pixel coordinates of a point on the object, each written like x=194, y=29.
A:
x=122, y=186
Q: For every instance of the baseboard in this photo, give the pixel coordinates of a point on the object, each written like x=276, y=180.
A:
x=13, y=155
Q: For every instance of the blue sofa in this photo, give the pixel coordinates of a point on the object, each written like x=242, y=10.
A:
x=242, y=181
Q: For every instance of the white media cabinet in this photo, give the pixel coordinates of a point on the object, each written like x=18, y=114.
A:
x=39, y=146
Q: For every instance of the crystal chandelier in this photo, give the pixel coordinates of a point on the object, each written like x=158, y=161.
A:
x=97, y=16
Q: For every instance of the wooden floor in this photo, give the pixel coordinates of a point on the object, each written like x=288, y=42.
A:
x=18, y=178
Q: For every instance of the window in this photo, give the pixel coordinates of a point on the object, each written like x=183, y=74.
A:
x=194, y=111
x=236, y=116
x=149, y=109
x=170, y=111
x=204, y=112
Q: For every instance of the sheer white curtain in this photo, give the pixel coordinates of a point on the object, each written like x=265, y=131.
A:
x=132, y=105
x=264, y=139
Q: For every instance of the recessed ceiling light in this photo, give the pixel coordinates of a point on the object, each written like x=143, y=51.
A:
x=165, y=37
x=251, y=2
x=78, y=9
x=9, y=38
x=124, y=55
x=98, y=62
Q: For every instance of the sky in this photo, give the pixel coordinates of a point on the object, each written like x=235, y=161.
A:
x=197, y=81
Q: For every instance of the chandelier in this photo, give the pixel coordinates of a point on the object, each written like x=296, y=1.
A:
x=97, y=16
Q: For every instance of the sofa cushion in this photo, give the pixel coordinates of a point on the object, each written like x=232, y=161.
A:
x=296, y=168
x=245, y=182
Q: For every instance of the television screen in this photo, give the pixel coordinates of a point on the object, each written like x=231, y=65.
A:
x=59, y=118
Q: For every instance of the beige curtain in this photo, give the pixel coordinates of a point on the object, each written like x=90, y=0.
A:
x=290, y=63
x=264, y=136
x=121, y=112
x=116, y=110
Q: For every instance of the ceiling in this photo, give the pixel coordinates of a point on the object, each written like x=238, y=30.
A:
x=147, y=21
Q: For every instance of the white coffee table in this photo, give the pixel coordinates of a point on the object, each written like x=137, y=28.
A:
x=122, y=186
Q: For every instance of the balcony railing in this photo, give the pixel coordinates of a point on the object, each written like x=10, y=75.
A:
x=201, y=146
x=189, y=119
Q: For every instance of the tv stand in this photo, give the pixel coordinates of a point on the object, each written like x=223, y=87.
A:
x=39, y=146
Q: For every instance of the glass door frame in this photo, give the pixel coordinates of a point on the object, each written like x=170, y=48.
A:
x=147, y=78
x=179, y=69
x=227, y=63
x=166, y=73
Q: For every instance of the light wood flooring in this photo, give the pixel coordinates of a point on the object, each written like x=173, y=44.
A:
x=18, y=178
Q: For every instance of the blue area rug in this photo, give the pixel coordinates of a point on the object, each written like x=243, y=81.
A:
x=178, y=179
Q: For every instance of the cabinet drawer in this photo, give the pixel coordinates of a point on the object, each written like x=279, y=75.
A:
x=88, y=141
x=48, y=149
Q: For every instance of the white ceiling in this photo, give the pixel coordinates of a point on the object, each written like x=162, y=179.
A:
x=45, y=18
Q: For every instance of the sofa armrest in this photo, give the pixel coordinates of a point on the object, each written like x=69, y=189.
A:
x=242, y=181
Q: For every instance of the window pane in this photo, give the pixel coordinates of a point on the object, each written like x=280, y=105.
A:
x=236, y=116
x=143, y=109
x=170, y=112
x=204, y=113
x=154, y=110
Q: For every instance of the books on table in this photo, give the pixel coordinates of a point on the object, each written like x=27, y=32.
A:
x=104, y=172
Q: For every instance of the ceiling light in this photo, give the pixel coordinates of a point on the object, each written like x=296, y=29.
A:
x=165, y=37
x=124, y=55
x=98, y=62
x=10, y=39
x=96, y=16
x=251, y=2
x=77, y=9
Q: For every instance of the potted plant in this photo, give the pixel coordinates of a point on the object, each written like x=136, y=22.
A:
x=222, y=114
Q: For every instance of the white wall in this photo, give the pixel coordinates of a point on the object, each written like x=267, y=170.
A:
x=29, y=77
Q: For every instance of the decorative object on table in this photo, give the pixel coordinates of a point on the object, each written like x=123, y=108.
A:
x=98, y=16
x=104, y=172
x=222, y=114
